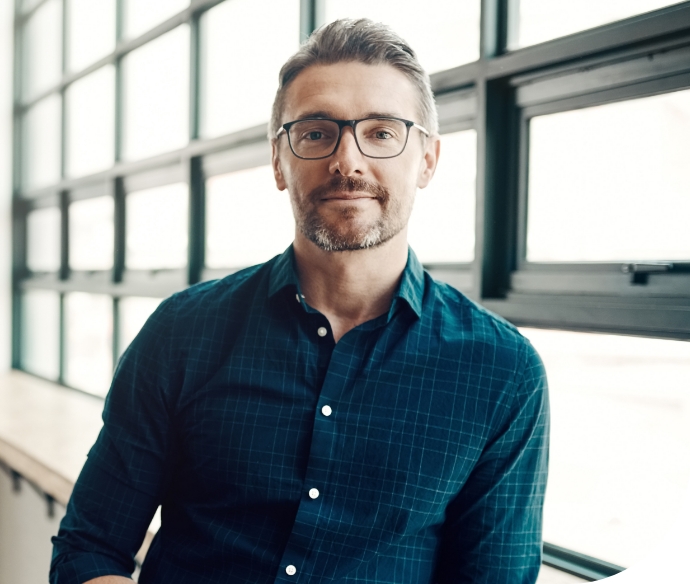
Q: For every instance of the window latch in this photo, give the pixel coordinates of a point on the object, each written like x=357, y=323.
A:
x=639, y=272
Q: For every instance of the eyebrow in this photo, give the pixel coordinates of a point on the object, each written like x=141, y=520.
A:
x=322, y=114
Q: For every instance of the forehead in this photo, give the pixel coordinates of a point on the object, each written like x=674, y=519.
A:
x=350, y=90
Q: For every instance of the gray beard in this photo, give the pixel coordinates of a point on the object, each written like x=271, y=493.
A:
x=328, y=237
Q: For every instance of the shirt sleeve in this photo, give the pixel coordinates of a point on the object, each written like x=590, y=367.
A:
x=493, y=528
x=121, y=484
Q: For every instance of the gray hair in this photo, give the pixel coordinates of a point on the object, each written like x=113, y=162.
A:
x=362, y=41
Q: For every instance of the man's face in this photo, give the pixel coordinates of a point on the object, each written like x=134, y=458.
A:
x=349, y=202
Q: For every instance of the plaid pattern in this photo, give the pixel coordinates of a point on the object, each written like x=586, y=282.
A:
x=431, y=466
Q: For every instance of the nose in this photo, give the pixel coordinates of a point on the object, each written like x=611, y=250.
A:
x=347, y=160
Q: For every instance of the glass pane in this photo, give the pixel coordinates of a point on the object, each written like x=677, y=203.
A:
x=611, y=183
x=134, y=311
x=42, y=49
x=43, y=240
x=620, y=441
x=248, y=220
x=91, y=234
x=91, y=123
x=157, y=228
x=41, y=144
x=441, y=228
x=89, y=331
x=443, y=34
x=90, y=31
x=156, y=95
x=28, y=4
x=238, y=85
x=41, y=333
x=142, y=16
x=543, y=20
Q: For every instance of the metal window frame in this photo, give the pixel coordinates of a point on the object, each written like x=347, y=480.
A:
x=495, y=95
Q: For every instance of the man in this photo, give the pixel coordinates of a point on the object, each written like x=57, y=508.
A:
x=333, y=415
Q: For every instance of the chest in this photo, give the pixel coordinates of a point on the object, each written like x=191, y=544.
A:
x=367, y=414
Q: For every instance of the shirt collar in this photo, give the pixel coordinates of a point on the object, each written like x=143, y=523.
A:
x=410, y=289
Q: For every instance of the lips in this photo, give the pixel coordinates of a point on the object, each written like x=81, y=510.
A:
x=349, y=188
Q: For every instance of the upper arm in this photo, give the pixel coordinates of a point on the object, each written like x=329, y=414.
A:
x=493, y=528
x=122, y=482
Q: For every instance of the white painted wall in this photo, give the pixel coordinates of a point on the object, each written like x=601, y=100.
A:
x=6, y=41
x=25, y=532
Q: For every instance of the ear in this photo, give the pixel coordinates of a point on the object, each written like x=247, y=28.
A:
x=427, y=168
x=277, y=170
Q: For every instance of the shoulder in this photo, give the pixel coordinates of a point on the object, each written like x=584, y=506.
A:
x=467, y=326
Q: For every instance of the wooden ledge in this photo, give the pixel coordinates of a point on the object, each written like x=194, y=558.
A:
x=46, y=431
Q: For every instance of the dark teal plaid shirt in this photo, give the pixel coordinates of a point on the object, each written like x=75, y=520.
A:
x=412, y=451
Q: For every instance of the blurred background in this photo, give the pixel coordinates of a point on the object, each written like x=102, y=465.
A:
x=134, y=162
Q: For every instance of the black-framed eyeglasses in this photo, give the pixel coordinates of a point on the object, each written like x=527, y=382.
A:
x=376, y=137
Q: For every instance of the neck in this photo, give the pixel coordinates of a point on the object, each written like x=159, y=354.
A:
x=350, y=288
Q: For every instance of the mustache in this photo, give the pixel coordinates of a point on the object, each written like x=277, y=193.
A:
x=349, y=184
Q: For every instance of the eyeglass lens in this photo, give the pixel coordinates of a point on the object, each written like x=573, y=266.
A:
x=377, y=137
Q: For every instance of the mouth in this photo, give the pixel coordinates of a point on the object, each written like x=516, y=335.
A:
x=346, y=189
x=348, y=196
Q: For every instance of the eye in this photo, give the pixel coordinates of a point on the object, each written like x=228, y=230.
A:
x=383, y=135
x=314, y=135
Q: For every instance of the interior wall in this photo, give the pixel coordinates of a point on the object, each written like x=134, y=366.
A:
x=25, y=532
x=6, y=41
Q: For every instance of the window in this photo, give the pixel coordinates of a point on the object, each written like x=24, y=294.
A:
x=90, y=120
x=43, y=240
x=247, y=218
x=156, y=96
x=620, y=440
x=455, y=39
x=543, y=20
x=157, y=228
x=228, y=67
x=630, y=202
x=447, y=237
x=91, y=232
x=560, y=202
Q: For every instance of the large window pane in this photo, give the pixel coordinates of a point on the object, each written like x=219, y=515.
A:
x=41, y=144
x=43, y=240
x=157, y=228
x=90, y=31
x=620, y=441
x=238, y=85
x=134, y=311
x=441, y=228
x=156, y=95
x=443, y=34
x=40, y=333
x=42, y=49
x=89, y=331
x=91, y=234
x=543, y=20
x=91, y=123
x=248, y=220
x=611, y=183
x=142, y=15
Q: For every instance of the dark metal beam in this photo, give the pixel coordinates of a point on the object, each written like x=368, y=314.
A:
x=578, y=564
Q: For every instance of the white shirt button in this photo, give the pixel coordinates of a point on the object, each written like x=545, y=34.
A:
x=297, y=296
x=326, y=410
x=291, y=570
x=314, y=493
x=322, y=331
